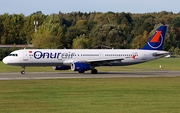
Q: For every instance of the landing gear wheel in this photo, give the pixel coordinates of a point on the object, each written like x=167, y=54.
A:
x=81, y=71
x=94, y=71
x=22, y=72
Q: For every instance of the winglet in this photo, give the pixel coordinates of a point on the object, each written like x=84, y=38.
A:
x=157, y=40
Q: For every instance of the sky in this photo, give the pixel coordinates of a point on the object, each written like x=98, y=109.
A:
x=47, y=7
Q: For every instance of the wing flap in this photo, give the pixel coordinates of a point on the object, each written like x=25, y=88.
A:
x=93, y=61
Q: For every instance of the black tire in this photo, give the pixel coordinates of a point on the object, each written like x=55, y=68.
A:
x=81, y=71
x=22, y=72
x=94, y=71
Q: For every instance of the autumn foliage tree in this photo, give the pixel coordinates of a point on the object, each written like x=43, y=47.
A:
x=49, y=34
x=88, y=30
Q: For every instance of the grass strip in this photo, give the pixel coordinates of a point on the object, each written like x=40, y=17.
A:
x=108, y=95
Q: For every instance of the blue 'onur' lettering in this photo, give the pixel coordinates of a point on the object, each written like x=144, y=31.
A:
x=53, y=55
x=39, y=55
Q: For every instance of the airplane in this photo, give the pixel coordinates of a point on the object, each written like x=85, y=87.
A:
x=82, y=60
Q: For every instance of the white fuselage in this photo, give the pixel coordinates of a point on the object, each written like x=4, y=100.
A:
x=99, y=57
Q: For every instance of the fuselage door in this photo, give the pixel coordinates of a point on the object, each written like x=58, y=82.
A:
x=25, y=55
x=101, y=55
x=60, y=57
x=143, y=55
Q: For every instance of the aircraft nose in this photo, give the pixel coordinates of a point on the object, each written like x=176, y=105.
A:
x=5, y=60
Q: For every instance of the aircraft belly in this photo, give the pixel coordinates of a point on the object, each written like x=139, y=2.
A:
x=120, y=64
x=38, y=64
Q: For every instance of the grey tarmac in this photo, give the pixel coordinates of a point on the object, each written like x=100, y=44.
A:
x=66, y=75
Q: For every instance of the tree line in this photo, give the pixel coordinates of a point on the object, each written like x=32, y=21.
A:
x=88, y=30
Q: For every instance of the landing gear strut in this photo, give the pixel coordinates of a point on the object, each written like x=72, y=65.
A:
x=23, y=70
x=94, y=71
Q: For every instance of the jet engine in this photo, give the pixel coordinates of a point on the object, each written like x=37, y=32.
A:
x=61, y=67
x=79, y=66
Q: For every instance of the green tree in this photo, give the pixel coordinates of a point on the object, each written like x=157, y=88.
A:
x=176, y=51
x=176, y=22
x=51, y=32
x=29, y=28
x=12, y=25
x=139, y=41
x=46, y=41
x=80, y=42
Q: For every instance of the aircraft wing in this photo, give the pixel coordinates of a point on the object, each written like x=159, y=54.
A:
x=99, y=62
x=104, y=60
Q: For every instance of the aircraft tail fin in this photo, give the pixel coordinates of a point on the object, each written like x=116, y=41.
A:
x=157, y=40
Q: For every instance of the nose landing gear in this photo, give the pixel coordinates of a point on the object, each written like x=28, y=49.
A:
x=23, y=70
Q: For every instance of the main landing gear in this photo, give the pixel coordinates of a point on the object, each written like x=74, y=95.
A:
x=81, y=71
x=94, y=71
x=23, y=70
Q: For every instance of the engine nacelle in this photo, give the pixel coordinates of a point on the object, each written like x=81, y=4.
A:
x=61, y=67
x=79, y=66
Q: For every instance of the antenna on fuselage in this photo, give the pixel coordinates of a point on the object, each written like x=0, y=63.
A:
x=25, y=46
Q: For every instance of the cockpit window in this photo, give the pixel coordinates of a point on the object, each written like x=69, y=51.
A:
x=13, y=54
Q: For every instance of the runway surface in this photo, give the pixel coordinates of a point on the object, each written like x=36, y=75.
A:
x=63, y=75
